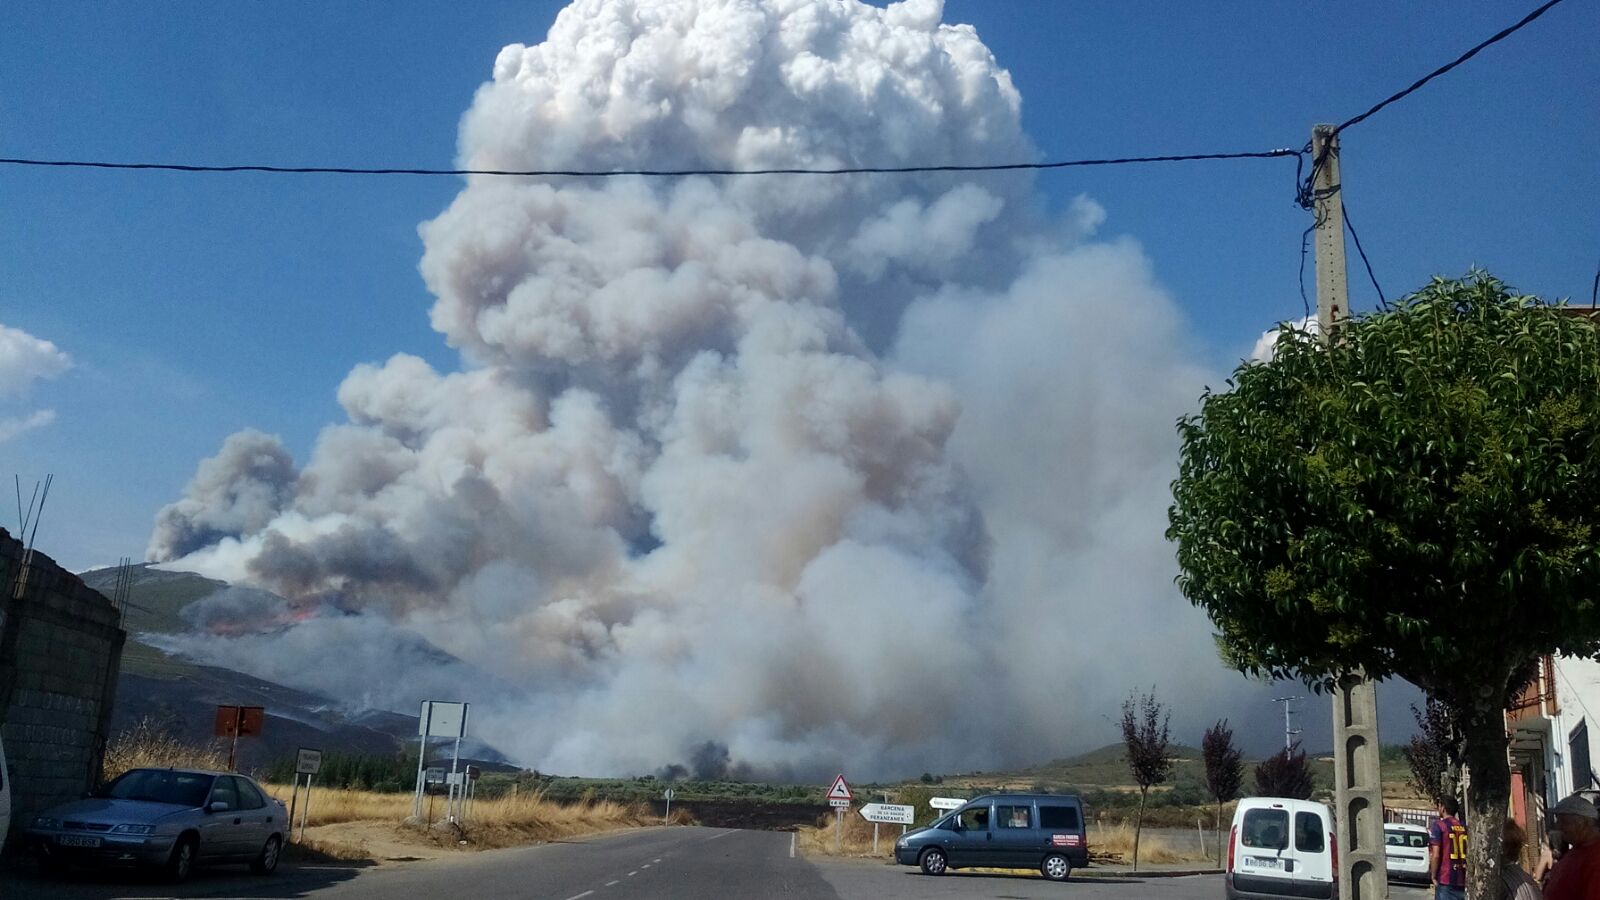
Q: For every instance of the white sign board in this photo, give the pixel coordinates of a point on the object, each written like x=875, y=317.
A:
x=436, y=776
x=308, y=762
x=442, y=719
x=668, y=794
x=837, y=803
x=456, y=778
x=946, y=803
x=889, y=813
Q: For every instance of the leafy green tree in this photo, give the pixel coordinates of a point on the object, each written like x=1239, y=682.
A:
x=1145, y=736
x=1416, y=498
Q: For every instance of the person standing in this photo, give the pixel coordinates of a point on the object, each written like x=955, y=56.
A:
x=1447, y=853
x=1576, y=875
x=1519, y=885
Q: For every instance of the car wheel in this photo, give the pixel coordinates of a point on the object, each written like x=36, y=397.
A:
x=181, y=862
x=933, y=861
x=1056, y=867
x=268, y=860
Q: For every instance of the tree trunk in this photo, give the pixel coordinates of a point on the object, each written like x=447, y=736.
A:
x=1138, y=826
x=1487, y=777
x=1219, y=834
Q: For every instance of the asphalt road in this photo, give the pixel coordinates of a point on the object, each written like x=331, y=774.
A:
x=649, y=863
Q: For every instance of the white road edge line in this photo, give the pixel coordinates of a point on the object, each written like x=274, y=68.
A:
x=791, y=844
x=722, y=835
x=580, y=896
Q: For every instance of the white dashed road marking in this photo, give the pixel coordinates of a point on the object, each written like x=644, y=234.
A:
x=580, y=896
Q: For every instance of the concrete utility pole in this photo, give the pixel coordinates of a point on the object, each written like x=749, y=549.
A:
x=1289, y=731
x=1358, y=796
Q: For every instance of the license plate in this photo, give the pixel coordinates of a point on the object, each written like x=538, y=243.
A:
x=74, y=840
x=1264, y=862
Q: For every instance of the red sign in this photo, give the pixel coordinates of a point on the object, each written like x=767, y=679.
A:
x=240, y=721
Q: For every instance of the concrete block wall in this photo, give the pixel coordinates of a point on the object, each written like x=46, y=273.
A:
x=60, y=652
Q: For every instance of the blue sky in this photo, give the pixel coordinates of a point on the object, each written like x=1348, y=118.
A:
x=196, y=305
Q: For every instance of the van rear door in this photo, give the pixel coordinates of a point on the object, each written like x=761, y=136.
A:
x=1313, y=865
x=1265, y=848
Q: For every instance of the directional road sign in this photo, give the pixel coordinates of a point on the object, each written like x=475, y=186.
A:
x=889, y=813
x=946, y=803
x=308, y=761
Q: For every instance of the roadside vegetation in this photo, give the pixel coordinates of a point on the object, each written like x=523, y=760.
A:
x=149, y=745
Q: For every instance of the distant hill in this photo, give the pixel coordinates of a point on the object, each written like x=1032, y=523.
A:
x=182, y=696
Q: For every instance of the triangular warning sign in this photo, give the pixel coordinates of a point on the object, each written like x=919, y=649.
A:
x=840, y=790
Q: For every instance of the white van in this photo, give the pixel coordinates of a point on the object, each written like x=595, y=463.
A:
x=1281, y=848
x=5, y=795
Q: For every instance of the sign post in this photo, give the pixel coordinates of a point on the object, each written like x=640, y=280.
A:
x=839, y=797
x=887, y=812
x=439, y=718
x=234, y=722
x=307, y=762
x=668, y=796
x=472, y=791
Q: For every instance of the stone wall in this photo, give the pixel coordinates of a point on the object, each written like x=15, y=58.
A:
x=60, y=652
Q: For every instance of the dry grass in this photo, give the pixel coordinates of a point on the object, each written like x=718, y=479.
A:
x=149, y=745
x=824, y=839
x=508, y=821
x=1115, y=843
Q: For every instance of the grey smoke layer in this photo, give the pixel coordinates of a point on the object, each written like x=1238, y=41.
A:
x=773, y=474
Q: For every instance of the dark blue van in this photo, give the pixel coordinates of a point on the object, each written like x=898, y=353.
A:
x=1002, y=831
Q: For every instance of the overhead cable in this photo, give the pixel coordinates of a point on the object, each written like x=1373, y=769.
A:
x=1497, y=37
x=648, y=173
x=1382, y=300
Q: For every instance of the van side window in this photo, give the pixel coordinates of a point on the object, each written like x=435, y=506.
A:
x=1058, y=818
x=1265, y=829
x=1308, y=834
x=1014, y=816
x=975, y=818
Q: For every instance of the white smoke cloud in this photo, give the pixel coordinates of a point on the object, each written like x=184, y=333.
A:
x=24, y=360
x=864, y=471
x=1266, y=346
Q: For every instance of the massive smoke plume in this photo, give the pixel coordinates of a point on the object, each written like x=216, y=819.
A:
x=770, y=474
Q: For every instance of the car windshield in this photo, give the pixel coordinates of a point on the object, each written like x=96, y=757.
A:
x=161, y=786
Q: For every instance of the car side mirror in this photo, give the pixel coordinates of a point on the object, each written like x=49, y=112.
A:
x=218, y=806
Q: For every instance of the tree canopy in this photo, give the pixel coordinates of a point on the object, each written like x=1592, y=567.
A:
x=1416, y=498
x=1285, y=774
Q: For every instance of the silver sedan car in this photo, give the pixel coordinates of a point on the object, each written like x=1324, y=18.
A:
x=170, y=818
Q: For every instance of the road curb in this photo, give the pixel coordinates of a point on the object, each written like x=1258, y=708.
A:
x=1101, y=872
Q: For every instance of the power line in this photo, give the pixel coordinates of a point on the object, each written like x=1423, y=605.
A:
x=1382, y=300
x=648, y=173
x=1493, y=39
